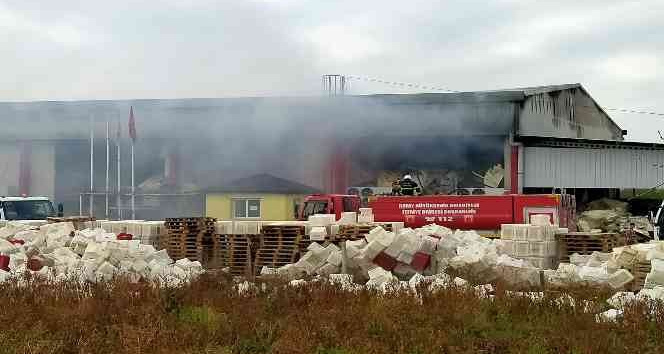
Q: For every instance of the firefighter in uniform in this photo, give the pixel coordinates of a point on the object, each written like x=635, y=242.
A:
x=409, y=187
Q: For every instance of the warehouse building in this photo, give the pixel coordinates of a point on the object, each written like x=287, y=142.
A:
x=516, y=140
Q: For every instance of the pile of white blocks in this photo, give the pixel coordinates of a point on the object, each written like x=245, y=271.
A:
x=534, y=243
x=147, y=232
x=90, y=255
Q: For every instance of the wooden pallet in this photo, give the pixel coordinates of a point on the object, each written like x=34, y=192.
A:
x=639, y=270
x=275, y=258
x=586, y=243
x=238, y=254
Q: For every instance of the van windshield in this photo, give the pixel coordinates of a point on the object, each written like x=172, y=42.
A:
x=314, y=207
x=28, y=210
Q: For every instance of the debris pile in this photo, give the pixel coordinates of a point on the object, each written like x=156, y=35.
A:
x=385, y=257
x=608, y=215
x=434, y=252
x=59, y=252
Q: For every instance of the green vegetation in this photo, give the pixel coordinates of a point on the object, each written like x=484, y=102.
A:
x=209, y=316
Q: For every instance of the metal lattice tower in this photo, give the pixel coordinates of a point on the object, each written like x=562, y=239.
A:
x=334, y=84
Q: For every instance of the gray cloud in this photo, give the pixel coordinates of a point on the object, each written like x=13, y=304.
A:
x=133, y=49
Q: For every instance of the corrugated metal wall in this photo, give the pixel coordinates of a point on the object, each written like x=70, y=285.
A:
x=593, y=167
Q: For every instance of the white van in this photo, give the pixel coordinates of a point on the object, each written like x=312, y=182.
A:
x=25, y=208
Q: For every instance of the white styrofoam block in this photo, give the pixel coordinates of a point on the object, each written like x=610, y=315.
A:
x=536, y=233
x=375, y=233
x=386, y=238
x=507, y=231
x=427, y=244
x=540, y=220
x=366, y=211
x=508, y=247
x=352, y=251
x=579, y=259
x=405, y=257
x=537, y=249
x=332, y=248
x=314, y=246
x=335, y=258
x=348, y=218
x=542, y=262
x=246, y=227
x=105, y=271
x=319, y=220
x=550, y=233
x=521, y=248
x=365, y=219
x=318, y=233
x=521, y=232
x=551, y=248
x=620, y=278
x=396, y=246
x=223, y=227
x=608, y=316
x=620, y=299
x=396, y=226
x=372, y=249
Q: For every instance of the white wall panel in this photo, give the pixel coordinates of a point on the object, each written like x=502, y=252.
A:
x=593, y=167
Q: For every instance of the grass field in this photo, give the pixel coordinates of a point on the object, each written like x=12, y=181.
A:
x=208, y=316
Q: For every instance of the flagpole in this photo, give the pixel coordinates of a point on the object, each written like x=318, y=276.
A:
x=132, y=134
x=133, y=186
x=92, y=165
x=108, y=165
x=119, y=197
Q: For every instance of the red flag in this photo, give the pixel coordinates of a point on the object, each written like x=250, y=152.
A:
x=132, y=124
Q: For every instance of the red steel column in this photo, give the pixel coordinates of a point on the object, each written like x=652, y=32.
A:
x=25, y=168
x=337, y=170
x=514, y=170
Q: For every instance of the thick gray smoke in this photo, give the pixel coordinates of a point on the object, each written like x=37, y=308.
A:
x=219, y=140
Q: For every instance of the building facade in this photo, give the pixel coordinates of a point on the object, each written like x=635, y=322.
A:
x=509, y=140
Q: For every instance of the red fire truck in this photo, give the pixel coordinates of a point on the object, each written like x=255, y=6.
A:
x=483, y=213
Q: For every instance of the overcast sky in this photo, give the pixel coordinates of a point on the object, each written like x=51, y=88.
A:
x=70, y=49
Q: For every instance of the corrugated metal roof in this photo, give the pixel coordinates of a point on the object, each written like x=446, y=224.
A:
x=264, y=183
x=540, y=141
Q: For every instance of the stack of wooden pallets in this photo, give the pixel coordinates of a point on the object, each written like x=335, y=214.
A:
x=188, y=237
x=238, y=254
x=586, y=243
x=279, y=245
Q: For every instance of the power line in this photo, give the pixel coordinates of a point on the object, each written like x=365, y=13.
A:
x=404, y=84
x=623, y=110
x=396, y=83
